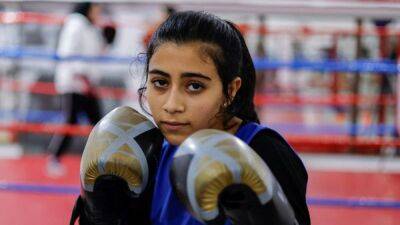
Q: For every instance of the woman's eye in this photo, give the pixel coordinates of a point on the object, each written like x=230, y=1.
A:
x=160, y=83
x=195, y=87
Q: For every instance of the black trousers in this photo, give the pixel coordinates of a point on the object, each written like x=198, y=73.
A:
x=72, y=104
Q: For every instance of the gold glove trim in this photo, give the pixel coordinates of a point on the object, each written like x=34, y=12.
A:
x=112, y=150
x=222, y=160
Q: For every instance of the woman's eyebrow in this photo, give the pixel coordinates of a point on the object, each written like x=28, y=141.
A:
x=159, y=72
x=199, y=75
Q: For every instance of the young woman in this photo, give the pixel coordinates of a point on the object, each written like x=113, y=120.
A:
x=200, y=75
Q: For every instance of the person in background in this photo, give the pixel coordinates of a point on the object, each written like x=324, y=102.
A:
x=75, y=77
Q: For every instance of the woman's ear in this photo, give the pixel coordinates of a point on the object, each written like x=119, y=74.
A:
x=234, y=87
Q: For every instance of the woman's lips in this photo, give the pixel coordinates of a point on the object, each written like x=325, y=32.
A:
x=173, y=126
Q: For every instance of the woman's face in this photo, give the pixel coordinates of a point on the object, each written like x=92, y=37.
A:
x=184, y=90
x=94, y=13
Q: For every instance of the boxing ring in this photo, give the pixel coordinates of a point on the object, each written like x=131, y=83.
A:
x=345, y=136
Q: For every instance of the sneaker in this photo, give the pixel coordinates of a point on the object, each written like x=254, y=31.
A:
x=55, y=168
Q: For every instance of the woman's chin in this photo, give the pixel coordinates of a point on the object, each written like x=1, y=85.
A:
x=175, y=139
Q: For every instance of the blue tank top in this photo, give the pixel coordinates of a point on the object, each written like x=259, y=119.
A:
x=166, y=207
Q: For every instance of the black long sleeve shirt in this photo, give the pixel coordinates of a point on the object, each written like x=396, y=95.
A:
x=287, y=168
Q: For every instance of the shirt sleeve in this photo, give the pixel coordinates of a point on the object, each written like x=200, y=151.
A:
x=287, y=168
x=70, y=42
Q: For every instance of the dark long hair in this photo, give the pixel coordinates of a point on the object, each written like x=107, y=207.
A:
x=83, y=8
x=225, y=46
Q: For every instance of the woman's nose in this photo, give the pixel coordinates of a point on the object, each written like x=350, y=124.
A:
x=174, y=102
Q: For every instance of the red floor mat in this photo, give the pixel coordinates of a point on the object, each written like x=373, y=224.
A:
x=29, y=196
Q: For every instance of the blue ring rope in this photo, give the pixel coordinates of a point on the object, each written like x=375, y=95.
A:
x=351, y=66
x=355, y=203
x=74, y=190
x=38, y=188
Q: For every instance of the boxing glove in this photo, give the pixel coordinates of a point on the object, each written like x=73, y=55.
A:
x=218, y=177
x=117, y=170
x=109, y=32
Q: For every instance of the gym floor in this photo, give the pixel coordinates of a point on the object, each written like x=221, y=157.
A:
x=342, y=190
